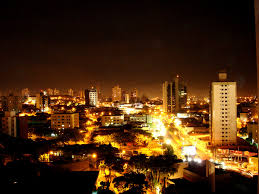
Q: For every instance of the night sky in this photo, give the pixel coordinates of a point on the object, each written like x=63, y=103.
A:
x=132, y=43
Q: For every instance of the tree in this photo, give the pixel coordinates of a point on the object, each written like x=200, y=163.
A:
x=169, y=189
x=112, y=163
x=71, y=135
x=104, y=139
x=122, y=138
x=131, y=183
x=139, y=163
x=162, y=165
x=104, y=188
x=243, y=130
x=169, y=150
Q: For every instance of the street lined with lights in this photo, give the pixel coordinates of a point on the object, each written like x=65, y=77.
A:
x=190, y=148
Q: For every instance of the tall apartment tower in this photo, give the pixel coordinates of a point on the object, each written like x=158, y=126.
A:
x=70, y=92
x=25, y=92
x=9, y=124
x=50, y=92
x=223, y=111
x=56, y=92
x=11, y=103
x=42, y=101
x=167, y=96
x=179, y=93
x=127, y=98
x=91, y=97
x=134, y=95
x=14, y=125
x=82, y=93
x=116, y=93
x=174, y=95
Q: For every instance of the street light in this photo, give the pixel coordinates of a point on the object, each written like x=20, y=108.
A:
x=94, y=155
x=168, y=141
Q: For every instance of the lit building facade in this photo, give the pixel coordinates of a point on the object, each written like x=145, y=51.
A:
x=56, y=92
x=9, y=124
x=223, y=112
x=25, y=92
x=14, y=125
x=91, y=97
x=174, y=95
x=116, y=94
x=127, y=98
x=142, y=118
x=11, y=103
x=70, y=92
x=42, y=102
x=65, y=121
x=167, y=96
x=81, y=93
x=179, y=94
x=134, y=95
x=50, y=92
x=112, y=120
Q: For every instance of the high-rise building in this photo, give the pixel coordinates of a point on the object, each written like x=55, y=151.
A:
x=180, y=94
x=223, y=111
x=127, y=98
x=14, y=125
x=56, y=92
x=9, y=125
x=11, y=103
x=50, y=92
x=116, y=94
x=70, y=92
x=91, y=97
x=42, y=101
x=25, y=92
x=134, y=95
x=167, y=90
x=22, y=127
x=174, y=95
x=99, y=92
x=81, y=93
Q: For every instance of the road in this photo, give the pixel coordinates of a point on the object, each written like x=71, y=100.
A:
x=177, y=136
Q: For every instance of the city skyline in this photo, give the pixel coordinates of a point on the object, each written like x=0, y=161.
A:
x=75, y=45
x=129, y=97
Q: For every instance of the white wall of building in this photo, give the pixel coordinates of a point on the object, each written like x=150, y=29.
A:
x=223, y=113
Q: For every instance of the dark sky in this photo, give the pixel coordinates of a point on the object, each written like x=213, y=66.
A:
x=132, y=43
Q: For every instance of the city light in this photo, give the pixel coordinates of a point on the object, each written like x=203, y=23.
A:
x=136, y=110
x=177, y=122
x=168, y=141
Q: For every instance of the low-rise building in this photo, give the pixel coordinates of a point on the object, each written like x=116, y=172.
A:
x=64, y=120
x=139, y=118
x=112, y=120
